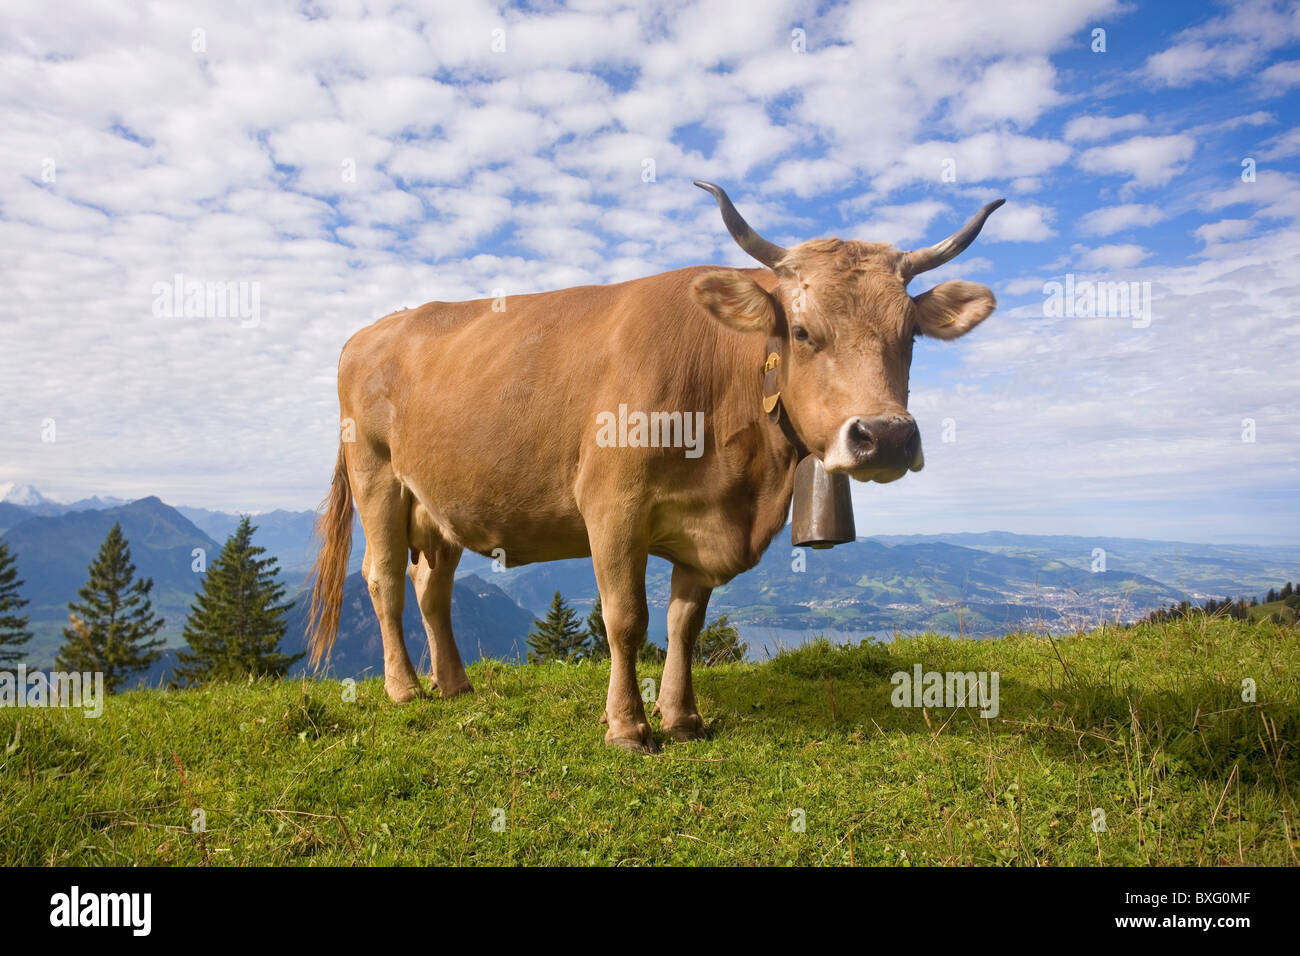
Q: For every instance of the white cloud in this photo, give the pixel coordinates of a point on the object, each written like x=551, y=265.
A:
x=1113, y=219
x=1276, y=195
x=1213, y=232
x=1148, y=160
x=1284, y=146
x=975, y=159
x=1020, y=222
x=897, y=224
x=1018, y=91
x=523, y=170
x=809, y=177
x=1107, y=258
x=1228, y=45
x=1095, y=128
x=1280, y=77
x=1136, y=417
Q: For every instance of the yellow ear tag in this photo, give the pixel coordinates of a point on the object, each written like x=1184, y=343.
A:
x=769, y=401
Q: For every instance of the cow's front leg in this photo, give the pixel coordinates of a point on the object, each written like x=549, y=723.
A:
x=686, y=609
x=620, y=574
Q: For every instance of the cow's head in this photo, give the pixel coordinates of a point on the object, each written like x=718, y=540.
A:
x=845, y=322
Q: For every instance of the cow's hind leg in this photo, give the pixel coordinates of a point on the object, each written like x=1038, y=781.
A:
x=433, y=581
x=381, y=501
x=686, y=609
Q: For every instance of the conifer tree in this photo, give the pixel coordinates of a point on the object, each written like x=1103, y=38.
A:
x=112, y=627
x=558, y=636
x=597, y=636
x=13, y=626
x=720, y=643
x=650, y=652
x=237, y=619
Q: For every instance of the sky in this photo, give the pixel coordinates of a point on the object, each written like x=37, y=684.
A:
x=339, y=160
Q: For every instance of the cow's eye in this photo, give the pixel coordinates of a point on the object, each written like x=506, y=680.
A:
x=801, y=334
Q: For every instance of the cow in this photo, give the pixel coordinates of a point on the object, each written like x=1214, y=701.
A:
x=470, y=426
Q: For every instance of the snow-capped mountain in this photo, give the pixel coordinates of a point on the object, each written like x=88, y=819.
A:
x=20, y=494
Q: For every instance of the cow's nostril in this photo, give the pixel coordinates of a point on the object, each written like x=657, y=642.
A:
x=891, y=442
x=861, y=440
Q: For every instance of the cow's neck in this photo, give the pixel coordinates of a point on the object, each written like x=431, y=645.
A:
x=771, y=455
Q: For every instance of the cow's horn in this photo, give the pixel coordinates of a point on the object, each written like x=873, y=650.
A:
x=923, y=260
x=768, y=253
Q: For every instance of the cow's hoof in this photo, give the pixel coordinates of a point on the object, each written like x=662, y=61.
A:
x=403, y=692
x=684, y=727
x=642, y=743
x=456, y=689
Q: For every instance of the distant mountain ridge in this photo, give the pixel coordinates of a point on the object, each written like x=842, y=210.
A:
x=289, y=536
x=962, y=583
x=19, y=501
x=54, y=551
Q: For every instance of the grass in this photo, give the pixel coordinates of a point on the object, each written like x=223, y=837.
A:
x=1263, y=612
x=1146, y=725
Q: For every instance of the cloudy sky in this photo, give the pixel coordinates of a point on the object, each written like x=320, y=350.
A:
x=343, y=159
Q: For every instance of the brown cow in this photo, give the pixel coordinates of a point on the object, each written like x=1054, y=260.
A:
x=469, y=427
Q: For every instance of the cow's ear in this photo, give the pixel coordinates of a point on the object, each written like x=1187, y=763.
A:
x=735, y=300
x=953, y=308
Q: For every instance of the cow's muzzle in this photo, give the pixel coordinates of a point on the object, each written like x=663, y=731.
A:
x=882, y=448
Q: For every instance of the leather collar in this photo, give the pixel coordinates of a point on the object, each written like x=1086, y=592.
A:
x=771, y=378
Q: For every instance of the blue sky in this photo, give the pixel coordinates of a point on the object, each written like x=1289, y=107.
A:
x=346, y=159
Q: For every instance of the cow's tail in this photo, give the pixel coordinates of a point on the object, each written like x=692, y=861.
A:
x=334, y=528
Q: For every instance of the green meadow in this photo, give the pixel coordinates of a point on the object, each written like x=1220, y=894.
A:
x=1170, y=744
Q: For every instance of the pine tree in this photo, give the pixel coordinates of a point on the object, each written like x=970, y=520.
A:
x=112, y=628
x=237, y=620
x=558, y=637
x=650, y=652
x=13, y=626
x=597, y=636
x=720, y=643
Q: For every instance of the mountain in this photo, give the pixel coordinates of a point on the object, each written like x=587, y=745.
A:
x=54, y=552
x=883, y=585
x=11, y=514
x=1196, y=571
x=31, y=501
x=288, y=536
x=959, y=583
x=487, y=623
x=974, y=584
x=21, y=501
x=24, y=495
x=94, y=503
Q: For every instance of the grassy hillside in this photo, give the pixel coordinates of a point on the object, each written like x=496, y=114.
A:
x=1146, y=724
x=1289, y=613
